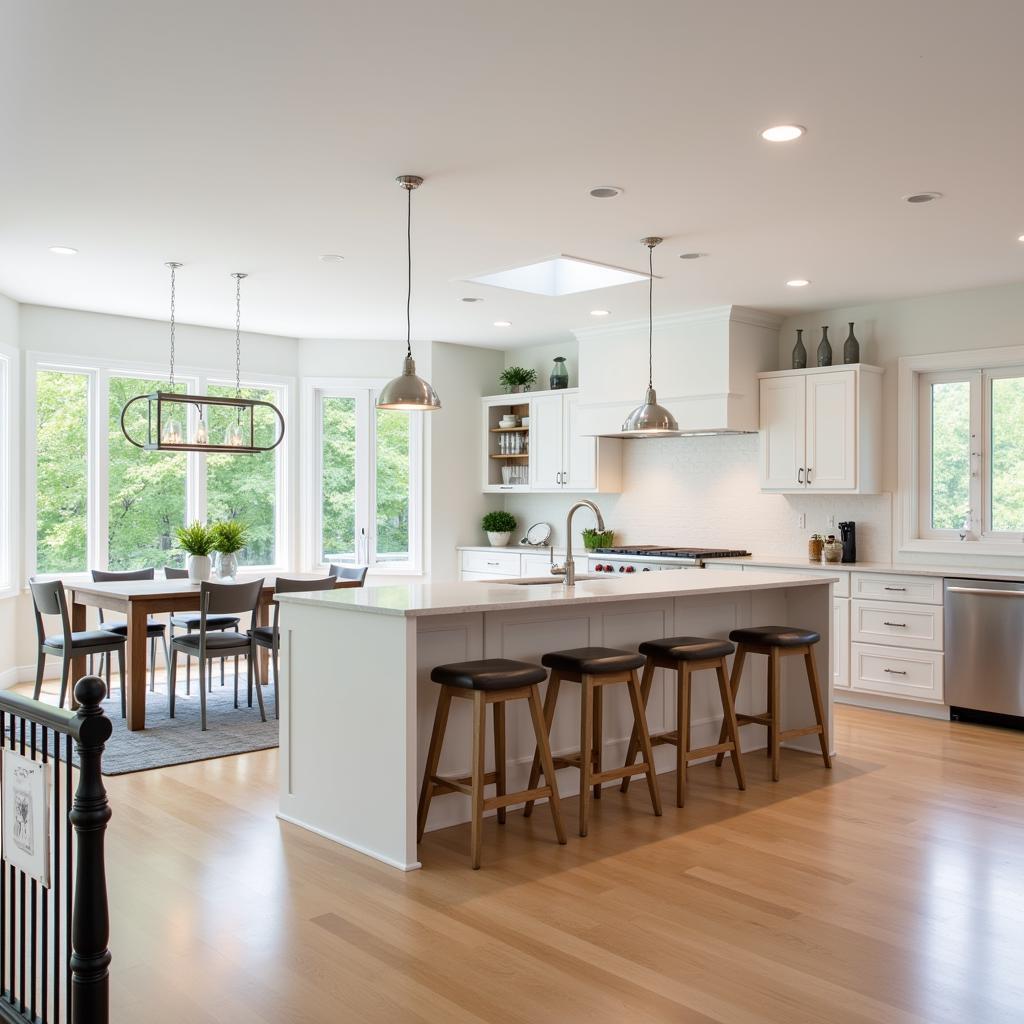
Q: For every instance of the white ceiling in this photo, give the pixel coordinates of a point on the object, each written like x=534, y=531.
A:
x=256, y=135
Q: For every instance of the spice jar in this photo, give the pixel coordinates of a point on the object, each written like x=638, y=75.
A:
x=814, y=546
x=832, y=550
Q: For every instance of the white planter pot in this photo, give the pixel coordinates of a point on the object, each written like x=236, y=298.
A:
x=498, y=540
x=198, y=568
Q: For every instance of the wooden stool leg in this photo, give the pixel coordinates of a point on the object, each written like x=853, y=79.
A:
x=819, y=711
x=498, y=709
x=646, y=682
x=540, y=730
x=774, y=681
x=478, y=775
x=733, y=729
x=734, y=687
x=586, y=748
x=683, y=730
x=598, y=735
x=640, y=717
x=433, y=758
x=550, y=698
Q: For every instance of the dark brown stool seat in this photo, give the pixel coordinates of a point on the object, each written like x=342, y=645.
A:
x=778, y=642
x=594, y=668
x=685, y=655
x=493, y=681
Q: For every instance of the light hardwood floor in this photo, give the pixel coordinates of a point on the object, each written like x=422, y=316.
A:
x=889, y=890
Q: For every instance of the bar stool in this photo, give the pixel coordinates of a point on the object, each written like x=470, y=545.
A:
x=494, y=681
x=594, y=668
x=778, y=642
x=685, y=655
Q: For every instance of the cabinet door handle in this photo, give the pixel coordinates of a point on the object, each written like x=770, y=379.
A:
x=800, y=475
x=902, y=625
x=894, y=671
x=808, y=474
x=900, y=590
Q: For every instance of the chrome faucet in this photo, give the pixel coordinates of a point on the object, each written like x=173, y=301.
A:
x=567, y=570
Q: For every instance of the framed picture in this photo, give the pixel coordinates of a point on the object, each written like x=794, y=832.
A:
x=26, y=815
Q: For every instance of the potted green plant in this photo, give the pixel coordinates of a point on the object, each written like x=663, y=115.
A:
x=597, y=538
x=229, y=537
x=498, y=527
x=196, y=540
x=516, y=379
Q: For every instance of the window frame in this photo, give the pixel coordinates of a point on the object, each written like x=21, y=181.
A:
x=99, y=372
x=364, y=390
x=916, y=375
x=10, y=422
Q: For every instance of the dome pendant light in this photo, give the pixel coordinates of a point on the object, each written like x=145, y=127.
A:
x=650, y=419
x=408, y=392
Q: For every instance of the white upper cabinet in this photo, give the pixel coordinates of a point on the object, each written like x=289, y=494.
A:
x=821, y=430
x=552, y=454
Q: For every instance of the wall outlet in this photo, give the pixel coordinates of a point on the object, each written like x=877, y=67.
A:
x=831, y=522
x=801, y=521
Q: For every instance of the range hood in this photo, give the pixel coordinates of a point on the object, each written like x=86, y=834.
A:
x=707, y=366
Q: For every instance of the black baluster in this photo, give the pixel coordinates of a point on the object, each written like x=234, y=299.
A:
x=21, y=903
x=43, y=944
x=33, y=959
x=57, y=833
x=3, y=883
x=90, y=813
x=11, y=909
x=69, y=889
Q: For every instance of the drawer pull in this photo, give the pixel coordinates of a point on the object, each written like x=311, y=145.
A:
x=494, y=563
x=901, y=590
x=894, y=671
x=902, y=625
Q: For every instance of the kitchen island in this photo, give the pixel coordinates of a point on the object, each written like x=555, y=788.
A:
x=357, y=703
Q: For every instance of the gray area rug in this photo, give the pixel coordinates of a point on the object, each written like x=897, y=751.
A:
x=166, y=741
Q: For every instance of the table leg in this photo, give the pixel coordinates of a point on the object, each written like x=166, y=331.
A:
x=138, y=617
x=78, y=669
x=264, y=653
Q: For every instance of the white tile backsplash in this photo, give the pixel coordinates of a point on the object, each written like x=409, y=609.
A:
x=703, y=491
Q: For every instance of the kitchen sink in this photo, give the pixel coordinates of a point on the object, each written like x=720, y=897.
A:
x=551, y=581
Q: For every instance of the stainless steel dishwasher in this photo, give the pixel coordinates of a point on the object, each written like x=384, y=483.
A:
x=984, y=639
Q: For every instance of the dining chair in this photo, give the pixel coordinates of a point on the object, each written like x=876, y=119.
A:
x=206, y=643
x=189, y=621
x=48, y=598
x=154, y=630
x=270, y=636
x=350, y=572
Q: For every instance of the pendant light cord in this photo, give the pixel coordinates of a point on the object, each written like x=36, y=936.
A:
x=650, y=316
x=408, y=290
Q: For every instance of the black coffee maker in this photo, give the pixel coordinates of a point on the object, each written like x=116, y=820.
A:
x=848, y=531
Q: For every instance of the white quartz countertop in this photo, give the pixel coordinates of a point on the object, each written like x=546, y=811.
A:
x=488, y=596
x=897, y=568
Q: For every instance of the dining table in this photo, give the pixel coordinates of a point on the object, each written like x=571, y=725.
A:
x=137, y=600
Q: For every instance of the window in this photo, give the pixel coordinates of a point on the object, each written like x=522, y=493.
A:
x=963, y=477
x=99, y=502
x=367, y=480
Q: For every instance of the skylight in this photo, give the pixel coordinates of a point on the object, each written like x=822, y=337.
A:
x=560, y=275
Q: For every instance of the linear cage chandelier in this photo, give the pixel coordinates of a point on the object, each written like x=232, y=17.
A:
x=180, y=422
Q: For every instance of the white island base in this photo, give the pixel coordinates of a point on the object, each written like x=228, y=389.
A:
x=357, y=703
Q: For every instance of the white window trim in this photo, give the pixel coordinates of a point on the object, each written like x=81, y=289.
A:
x=99, y=372
x=911, y=370
x=10, y=422
x=312, y=390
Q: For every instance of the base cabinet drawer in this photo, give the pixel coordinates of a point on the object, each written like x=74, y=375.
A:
x=501, y=563
x=898, y=672
x=898, y=625
x=880, y=587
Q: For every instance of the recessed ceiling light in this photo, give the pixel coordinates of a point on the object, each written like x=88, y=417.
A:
x=1020, y=238
x=692, y=255
x=798, y=282
x=606, y=191
x=922, y=197
x=502, y=323
x=600, y=312
x=63, y=250
x=330, y=257
x=472, y=298
x=783, y=132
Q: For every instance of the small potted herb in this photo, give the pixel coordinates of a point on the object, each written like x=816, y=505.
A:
x=516, y=379
x=499, y=527
x=229, y=537
x=597, y=538
x=196, y=540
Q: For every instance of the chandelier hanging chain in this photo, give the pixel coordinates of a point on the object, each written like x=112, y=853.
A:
x=238, y=335
x=174, y=267
x=408, y=290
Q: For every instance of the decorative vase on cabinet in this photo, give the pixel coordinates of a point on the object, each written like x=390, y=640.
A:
x=824, y=349
x=559, y=374
x=799, y=352
x=851, y=347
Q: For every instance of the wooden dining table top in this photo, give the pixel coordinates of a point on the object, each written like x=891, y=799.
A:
x=156, y=589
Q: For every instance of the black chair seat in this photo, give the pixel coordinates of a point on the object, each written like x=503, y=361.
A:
x=214, y=641
x=775, y=636
x=264, y=635
x=85, y=638
x=190, y=620
x=153, y=628
x=686, y=648
x=593, y=661
x=489, y=674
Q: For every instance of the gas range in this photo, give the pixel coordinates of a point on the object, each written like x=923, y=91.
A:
x=653, y=557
